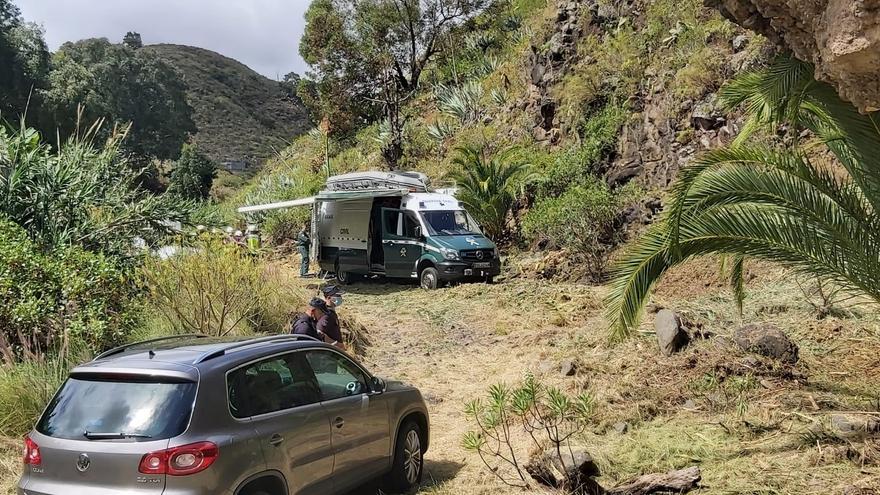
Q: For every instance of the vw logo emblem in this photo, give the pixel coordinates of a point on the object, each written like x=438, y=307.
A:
x=83, y=463
x=479, y=255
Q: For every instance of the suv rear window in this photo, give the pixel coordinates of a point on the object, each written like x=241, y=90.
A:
x=136, y=409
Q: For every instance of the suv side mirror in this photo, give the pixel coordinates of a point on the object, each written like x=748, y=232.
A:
x=378, y=385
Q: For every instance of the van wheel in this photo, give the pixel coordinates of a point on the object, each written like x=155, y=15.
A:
x=344, y=278
x=409, y=458
x=490, y=280
x=429, y=278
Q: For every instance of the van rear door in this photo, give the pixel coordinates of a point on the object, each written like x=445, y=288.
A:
x=95, y=432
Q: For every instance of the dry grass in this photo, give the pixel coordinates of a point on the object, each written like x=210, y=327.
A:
x=753, y=426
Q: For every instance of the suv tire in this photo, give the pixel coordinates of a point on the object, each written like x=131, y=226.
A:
x=409, y=459
x=429, y=278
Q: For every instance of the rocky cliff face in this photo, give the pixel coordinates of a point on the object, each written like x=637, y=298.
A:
x=841, y=37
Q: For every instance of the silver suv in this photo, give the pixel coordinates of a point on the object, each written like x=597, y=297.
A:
x=277, y=415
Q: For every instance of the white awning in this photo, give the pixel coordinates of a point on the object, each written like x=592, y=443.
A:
x=277, y=206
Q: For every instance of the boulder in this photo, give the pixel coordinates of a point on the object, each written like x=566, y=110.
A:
x=671, y=334
x=740, y=43
x=568, y=367
x=850, y=426
x=570, y=469
x=768, y=341
x=706, y=115
x=621, y=427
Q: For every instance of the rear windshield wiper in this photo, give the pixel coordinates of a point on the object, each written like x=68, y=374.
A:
x=91, y=435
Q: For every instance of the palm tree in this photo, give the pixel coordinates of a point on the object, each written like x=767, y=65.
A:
x=487, y=186
x=771, y=201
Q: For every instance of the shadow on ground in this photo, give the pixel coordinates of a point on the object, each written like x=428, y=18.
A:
x=436, y=472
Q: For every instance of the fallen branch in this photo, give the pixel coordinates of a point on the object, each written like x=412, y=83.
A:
x=680, y=481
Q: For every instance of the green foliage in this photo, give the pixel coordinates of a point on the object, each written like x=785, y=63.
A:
x=488, y=186
x=193, y=174
x=550, y=417
x=582, y=220
x=24, y=59
x=80, y=194
x=121, y=85
x=461, y=102
x=52, y=299
x=25, y=389
x=771, y=202
x=218, y=289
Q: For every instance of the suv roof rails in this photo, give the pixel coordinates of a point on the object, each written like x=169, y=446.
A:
x=236, y=345
x=123, y=348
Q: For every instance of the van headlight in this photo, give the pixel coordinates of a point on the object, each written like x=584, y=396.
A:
x=450, y=254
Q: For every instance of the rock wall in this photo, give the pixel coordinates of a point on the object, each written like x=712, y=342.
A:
x=841, y=37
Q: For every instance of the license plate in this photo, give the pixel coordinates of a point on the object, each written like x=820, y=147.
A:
x=482, y=265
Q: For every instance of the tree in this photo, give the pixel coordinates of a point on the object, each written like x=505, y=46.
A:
x=771, y=201
x=193, y=174
x=24, y=61
x=367, y=56
x=124, y=86
x=133, y=40
x=488, y=186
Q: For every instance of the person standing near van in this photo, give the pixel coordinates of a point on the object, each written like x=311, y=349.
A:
x=303, y=241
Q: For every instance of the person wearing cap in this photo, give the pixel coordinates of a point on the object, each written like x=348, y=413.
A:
x=328, y=325
x=306, y=324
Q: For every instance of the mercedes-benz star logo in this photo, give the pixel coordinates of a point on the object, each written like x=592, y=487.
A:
x=83, y=463
x=479, y=255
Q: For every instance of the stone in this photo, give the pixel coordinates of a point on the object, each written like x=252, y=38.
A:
x=850, y=426
x=740, y=43
x=768, y=341
x=671, y=335
x=838, y=36
x=568, y=367
x=690, y=404
x=574, y=469
x=432, y=398
x=705, y=115
x=621, y=427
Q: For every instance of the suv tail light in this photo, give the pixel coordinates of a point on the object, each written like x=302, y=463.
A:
x=180, y=461
x=32, y=455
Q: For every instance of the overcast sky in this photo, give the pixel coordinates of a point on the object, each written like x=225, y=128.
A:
x=262, y=34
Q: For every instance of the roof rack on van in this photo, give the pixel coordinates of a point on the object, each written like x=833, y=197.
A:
x=123, y=348
x=236, y=345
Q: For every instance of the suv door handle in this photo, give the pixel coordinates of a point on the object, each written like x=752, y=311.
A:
x=339, y=422
x=276, y=440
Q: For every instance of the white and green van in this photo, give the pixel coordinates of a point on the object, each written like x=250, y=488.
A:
x=390, y=224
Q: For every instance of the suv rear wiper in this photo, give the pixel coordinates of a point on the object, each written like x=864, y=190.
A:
x=91, y=435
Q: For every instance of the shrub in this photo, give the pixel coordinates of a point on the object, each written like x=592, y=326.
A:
x=462, y=102
x=193, y=174
x=68, y=295
x=549, y=417
x=582, y=221
x=25, y=389
x=219, y=289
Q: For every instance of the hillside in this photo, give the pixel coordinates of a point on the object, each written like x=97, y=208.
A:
x=240, y=115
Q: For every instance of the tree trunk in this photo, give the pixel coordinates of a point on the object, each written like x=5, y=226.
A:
x=680, y=481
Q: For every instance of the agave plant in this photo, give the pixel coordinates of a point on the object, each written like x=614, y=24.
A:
x=499, y=96
x=441, y=130
x=488, y=185
x=462, y=102
x=771, y=201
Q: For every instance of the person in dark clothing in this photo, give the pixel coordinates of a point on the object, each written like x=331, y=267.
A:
x=303, y=242
x=307, y=323
x=328, y=325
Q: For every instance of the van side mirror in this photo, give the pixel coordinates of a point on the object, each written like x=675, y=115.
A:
x=418, y=231
x=378, y=385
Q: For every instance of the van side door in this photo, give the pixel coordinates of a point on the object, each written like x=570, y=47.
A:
x=401, y=242
x=279, y=397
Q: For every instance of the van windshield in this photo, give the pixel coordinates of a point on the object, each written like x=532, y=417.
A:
x=450, y=222
x=113, y=409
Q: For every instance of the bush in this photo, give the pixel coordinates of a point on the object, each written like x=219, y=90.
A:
x=549, y=417
x=49, y=299
x=219, y=289
x=25, y=389
x=582, y=221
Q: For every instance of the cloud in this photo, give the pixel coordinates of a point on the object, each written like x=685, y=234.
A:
x=262, y=34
